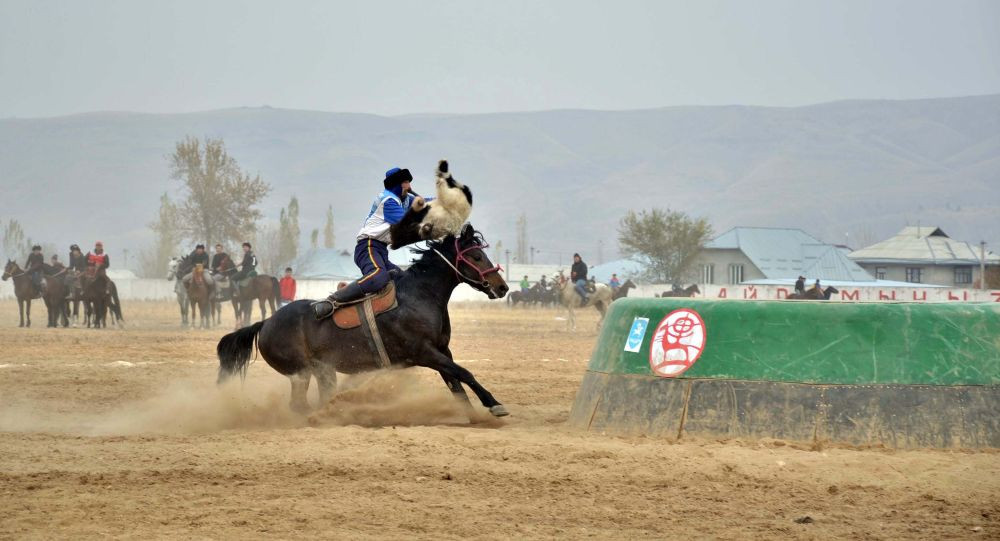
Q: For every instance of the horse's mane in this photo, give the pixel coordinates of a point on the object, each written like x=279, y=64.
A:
x=427, y=255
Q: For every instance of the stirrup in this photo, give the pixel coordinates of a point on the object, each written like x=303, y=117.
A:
x=320, y=309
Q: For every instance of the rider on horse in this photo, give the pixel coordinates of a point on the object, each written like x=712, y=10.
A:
x=371, y=254
x=98, y=258
x=77, y=261
x=77, y=266
x=219, y=260
x=198, y=256
x=800, y=285
x=248, y=267
x=34, y=265
x=578, y=273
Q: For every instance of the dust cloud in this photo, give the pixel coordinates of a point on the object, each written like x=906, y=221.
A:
x=409, y=397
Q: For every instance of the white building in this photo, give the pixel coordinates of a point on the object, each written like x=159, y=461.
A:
x=924, y=255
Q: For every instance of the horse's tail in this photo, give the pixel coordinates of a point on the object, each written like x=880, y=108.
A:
x=276, y=293
x=116, y=305
x=234, y=351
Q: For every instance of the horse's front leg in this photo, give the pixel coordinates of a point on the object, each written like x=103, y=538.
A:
x=449, y=370
x=27, y=313
x=20, y=311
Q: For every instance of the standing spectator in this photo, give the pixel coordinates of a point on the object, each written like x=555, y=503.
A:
x=287, y=286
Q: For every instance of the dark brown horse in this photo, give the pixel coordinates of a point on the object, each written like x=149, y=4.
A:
x=622, y=290
x=55, y=295
x=95, y=296
x=23, y=290
x=416, y=333
x=264, y=289
x=200, y=295
x=814, y=294
x=688, y=291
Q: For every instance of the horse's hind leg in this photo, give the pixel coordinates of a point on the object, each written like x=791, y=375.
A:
x=300, y=386
x=326, y=380
x=455, y=386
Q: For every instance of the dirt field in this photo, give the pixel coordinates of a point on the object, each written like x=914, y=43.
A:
x=122, y=433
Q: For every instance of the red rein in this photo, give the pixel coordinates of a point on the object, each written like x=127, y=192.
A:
x=460, y=258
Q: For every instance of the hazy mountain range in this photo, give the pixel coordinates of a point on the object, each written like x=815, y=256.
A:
x=853, y=171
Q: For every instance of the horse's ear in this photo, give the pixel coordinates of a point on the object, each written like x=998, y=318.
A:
x=468, y=231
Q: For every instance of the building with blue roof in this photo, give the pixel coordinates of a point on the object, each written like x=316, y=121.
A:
x=338, y=264
x=774, y=255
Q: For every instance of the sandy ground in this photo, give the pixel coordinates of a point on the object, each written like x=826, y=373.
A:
x=122, y=433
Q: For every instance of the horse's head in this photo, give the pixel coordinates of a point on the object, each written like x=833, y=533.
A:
x=10, y=269
x=172, y=268
x=694, y=288
x=474, y=266
x=629, y=284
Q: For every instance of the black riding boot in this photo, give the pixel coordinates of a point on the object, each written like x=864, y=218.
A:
x=348, y=294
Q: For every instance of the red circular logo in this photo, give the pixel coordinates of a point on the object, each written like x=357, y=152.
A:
x=677, y=343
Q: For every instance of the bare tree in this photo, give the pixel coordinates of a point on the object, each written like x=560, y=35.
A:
x=668, y=241
x=15, y=243
x=289, y=232
x=219, y=200
x=328, y=236
x=267, y=247
x=167, y=238
x=522, y=239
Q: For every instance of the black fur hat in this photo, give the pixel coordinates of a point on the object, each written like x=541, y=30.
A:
x=396, y=176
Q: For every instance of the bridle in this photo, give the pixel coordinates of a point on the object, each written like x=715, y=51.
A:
x=10, y=274
x=460, y=258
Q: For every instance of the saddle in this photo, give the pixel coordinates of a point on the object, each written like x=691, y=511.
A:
x=350, y=316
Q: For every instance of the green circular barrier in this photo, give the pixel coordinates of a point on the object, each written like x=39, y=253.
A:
x=902, y=375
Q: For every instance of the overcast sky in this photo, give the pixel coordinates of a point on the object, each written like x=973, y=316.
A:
x=60, y=57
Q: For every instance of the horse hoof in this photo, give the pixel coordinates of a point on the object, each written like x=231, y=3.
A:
x=499, y=411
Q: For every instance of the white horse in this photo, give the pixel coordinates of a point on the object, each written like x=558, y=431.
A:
x=599, y=299
x=182, y=296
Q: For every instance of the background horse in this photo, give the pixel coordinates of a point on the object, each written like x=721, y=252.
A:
x=623, y=290
x=599, y=299
x=95, y=297
x=200, y=295
x=55, y=295
x=224, y=291
x=416, y=333
x=23, y=290
x=264, y=289
x=689, y=291
x=174, y=273
x=815, y=294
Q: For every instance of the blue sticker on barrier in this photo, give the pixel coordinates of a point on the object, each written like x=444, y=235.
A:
x=636, y=334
